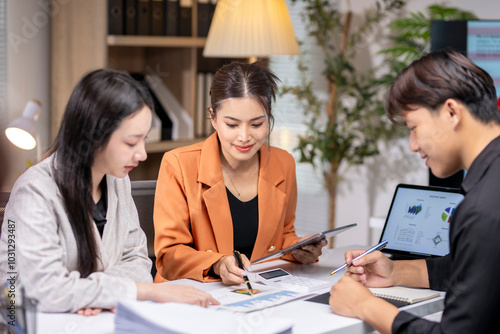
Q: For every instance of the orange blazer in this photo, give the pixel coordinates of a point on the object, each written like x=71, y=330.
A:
x=193, y=225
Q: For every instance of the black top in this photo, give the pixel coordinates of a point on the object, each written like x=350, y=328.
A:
x=245, y=217
x=469, y=274
x=101, y=207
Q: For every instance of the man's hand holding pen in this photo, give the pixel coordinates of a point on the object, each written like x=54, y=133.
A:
x=350, y=260
x=372, y=270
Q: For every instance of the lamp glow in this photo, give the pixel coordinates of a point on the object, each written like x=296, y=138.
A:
x=251, y=28
x=22, y=131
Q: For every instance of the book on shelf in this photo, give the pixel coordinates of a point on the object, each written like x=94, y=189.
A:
x=130, y=17
x=115, y=17
x=143, y=9
x=171, y=26
x=404, y=294
x=203, y=17
x=166, y=122
x=155, y=133
x=182, y=122
x=213, y=4
x=157, y=17
x=208, y=129
x=184, y=17
x=201, y=105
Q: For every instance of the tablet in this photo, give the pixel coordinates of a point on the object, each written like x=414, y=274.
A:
x=311, y=240
x=418, y=221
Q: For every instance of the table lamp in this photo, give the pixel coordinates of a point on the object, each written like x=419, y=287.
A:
x=250, y=29
x=22, y=131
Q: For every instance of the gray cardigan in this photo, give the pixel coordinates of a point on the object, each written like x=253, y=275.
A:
x=46, y=252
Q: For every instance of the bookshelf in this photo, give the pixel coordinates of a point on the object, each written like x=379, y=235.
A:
x=80, y=43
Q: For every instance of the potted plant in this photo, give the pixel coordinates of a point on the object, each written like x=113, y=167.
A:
x=347, y=128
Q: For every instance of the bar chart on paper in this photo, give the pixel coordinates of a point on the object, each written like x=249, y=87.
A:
x=267, y=297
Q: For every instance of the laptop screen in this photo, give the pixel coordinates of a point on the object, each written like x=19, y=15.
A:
x=418, y=221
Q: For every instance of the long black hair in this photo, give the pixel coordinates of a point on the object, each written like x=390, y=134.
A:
x=96, y=108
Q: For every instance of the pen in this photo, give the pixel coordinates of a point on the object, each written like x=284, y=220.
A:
x=237, y=256
x=371, y=250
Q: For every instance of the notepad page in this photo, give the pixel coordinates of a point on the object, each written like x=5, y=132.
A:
x=406, y=294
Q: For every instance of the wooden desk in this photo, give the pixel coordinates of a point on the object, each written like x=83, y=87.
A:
x=309, y=317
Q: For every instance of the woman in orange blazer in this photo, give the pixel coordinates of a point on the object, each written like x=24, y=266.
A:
x=231, y=191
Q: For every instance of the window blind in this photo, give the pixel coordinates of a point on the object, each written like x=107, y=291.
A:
x=312, y=206
x=3, y=64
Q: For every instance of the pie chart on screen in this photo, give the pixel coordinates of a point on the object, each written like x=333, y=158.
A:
x=445, y=216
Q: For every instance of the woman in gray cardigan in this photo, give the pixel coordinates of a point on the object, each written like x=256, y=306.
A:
x=72, y=219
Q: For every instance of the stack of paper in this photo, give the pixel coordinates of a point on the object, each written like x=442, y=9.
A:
x=134, y=317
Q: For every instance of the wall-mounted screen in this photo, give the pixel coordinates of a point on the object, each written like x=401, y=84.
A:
x=483, y=47
x=478, y=40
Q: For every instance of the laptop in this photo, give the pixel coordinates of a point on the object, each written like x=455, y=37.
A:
x=418, y=222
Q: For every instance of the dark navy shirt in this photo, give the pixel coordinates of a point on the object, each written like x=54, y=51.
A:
x=470, y=274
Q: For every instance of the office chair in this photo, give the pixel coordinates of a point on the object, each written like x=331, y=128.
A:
x=143, y=193
x=4, y=198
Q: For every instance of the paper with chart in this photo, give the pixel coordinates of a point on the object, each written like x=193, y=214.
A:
x=231, y=299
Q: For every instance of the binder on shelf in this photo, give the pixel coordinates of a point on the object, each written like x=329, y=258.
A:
x=161, y=113
x=209, y=77
x=155, y=134
x=213, y=4
x=157, y=17
x=201, y=105
x=171, y=14
x=203, y=17
x=130, y=17
x=182, y=122
x=115, y=17
x=185, y=9
x=143, y=8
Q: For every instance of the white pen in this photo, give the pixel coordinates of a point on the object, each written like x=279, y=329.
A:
x=374, y=248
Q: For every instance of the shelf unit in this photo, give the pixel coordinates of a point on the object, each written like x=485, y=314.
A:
x=80, y=43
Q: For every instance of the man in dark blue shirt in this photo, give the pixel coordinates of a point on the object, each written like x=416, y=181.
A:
x=449, y=105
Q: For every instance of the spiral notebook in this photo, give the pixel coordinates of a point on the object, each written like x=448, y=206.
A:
x=404, y=295
x=398, y=296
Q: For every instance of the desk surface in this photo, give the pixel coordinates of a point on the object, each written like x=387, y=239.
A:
x=308, y=317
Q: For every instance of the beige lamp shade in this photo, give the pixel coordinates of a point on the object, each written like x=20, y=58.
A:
x=251, y=28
